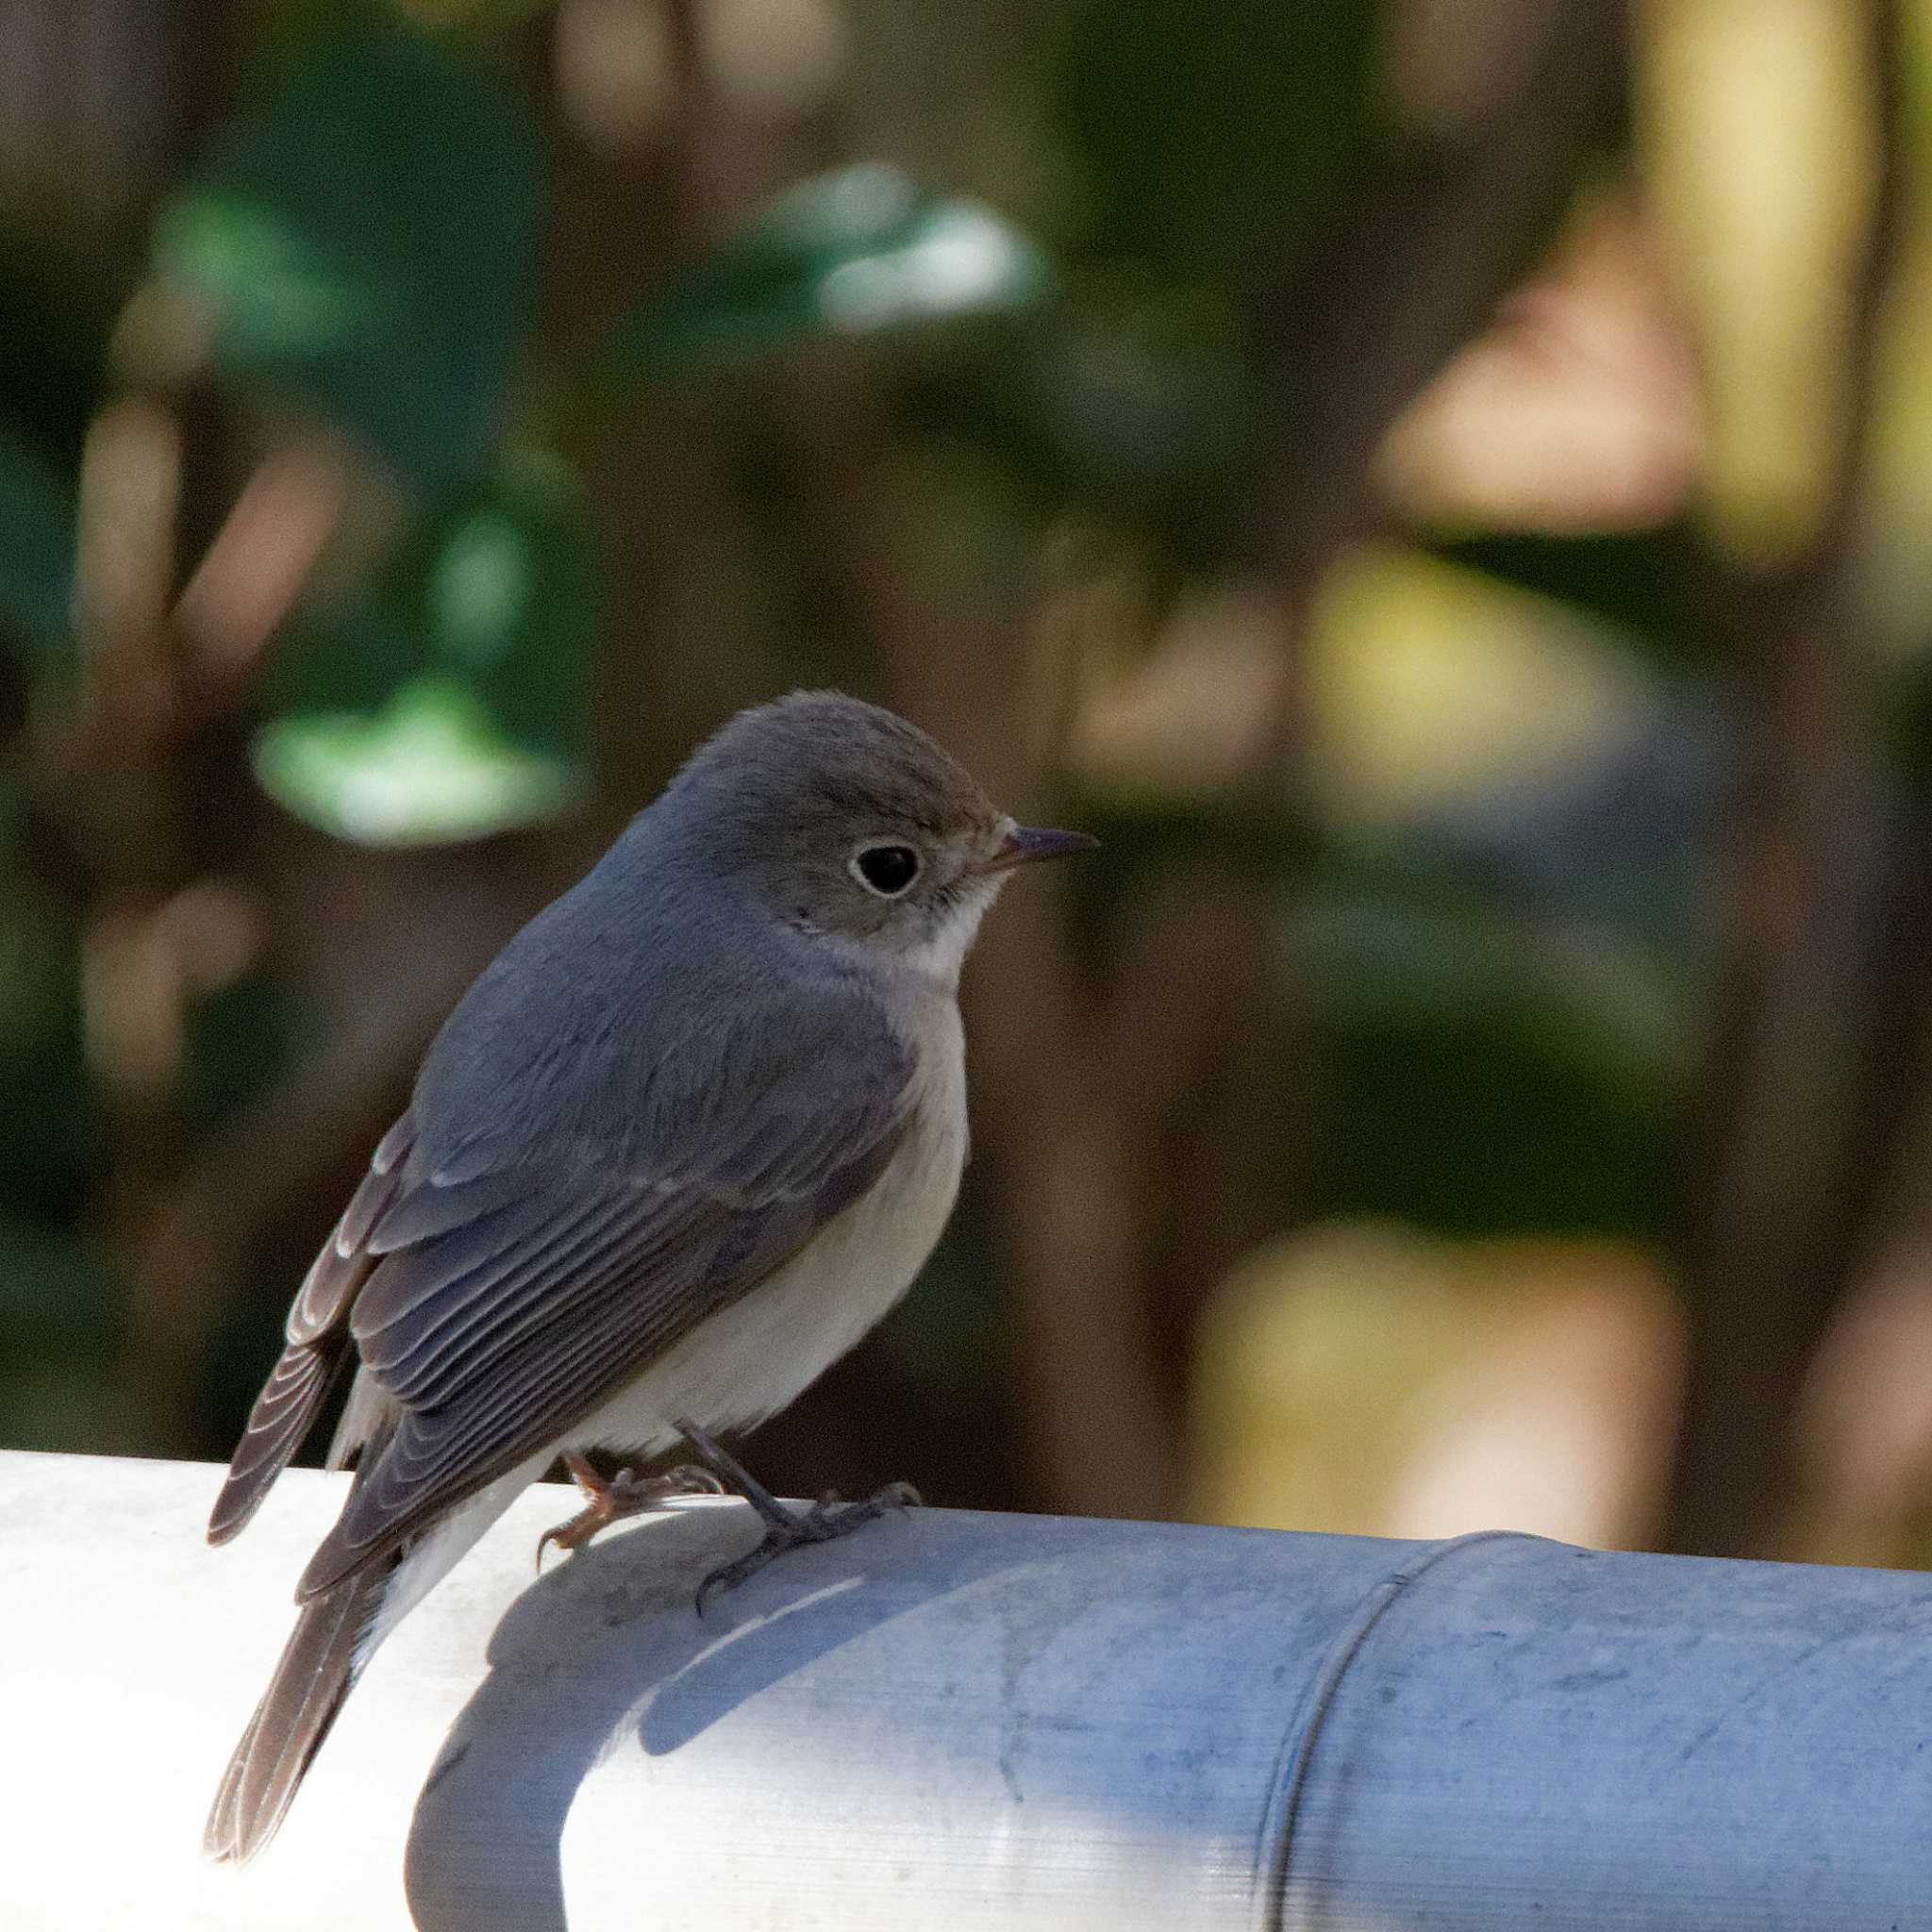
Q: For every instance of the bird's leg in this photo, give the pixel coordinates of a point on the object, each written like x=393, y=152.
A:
x=627, y=1493
x=785, y=1529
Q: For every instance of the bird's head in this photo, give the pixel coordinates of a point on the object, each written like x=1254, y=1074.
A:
x=841, y=819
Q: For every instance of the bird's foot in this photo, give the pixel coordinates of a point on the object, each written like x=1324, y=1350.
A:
x=785, y=1528
x=627, y=1493
x=827, y=1519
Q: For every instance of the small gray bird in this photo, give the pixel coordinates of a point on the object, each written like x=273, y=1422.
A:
x=685, y=1140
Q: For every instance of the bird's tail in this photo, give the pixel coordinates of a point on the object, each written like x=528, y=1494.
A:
x=322, y=1659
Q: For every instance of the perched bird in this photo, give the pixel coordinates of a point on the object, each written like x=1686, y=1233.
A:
x=689, y=1135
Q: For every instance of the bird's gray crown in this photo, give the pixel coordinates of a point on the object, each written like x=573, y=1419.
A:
x=822, y=753
x=788, y=798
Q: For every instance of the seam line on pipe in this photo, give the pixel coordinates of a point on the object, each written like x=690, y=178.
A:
x=1284, y=1804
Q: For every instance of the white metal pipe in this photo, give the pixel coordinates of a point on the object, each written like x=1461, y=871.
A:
x=960, y=1721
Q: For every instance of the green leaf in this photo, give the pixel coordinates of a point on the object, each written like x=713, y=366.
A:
x=1654, y=585
x=849, y=253
x=38, y=941
x=1199, y=135
x=50, y=1127
x=37, y=526
x=431, y=766
x=364, y=235
x=1153, y=414
x=57, y=1300
x=1479, y=1073
x=477, y=16
x=62, y=1329
x=63, y=285
x=450, y=698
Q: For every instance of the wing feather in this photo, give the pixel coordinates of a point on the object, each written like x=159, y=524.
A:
x=317, y=1336
x=494, y=1332
x=322, y=1302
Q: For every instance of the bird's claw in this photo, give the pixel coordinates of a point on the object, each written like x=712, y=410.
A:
x=627, y=1493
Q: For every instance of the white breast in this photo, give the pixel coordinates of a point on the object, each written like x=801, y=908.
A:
x=749, y=1360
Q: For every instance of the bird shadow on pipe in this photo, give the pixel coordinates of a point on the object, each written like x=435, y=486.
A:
x=609, y=1641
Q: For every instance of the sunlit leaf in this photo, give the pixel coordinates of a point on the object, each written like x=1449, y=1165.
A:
x=1360, y=1377
x=1430, y=684
x=430, y=766
x=848, y=252
x=449, y=699
x=364, y=237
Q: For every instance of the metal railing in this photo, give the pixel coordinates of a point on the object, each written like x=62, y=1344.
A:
x=965, y=1721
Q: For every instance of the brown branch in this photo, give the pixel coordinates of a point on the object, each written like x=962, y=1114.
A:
x=1817, y=1052
x=1412, y=265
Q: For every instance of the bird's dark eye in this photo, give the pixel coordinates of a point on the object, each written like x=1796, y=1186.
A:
x=886, y=869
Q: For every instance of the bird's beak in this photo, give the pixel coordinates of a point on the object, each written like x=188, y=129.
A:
x=1024, y=844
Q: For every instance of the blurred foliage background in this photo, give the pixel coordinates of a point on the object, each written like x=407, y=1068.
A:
x=1444, y=487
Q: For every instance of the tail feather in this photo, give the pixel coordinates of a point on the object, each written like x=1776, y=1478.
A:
x=321, y=1662
x=336, y=1634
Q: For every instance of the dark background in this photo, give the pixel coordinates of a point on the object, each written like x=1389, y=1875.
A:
x=1442, y=488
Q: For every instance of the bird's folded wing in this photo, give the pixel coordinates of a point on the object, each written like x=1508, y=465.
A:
x=322, y=1302
x=316, y=1336
x=511, y=1303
